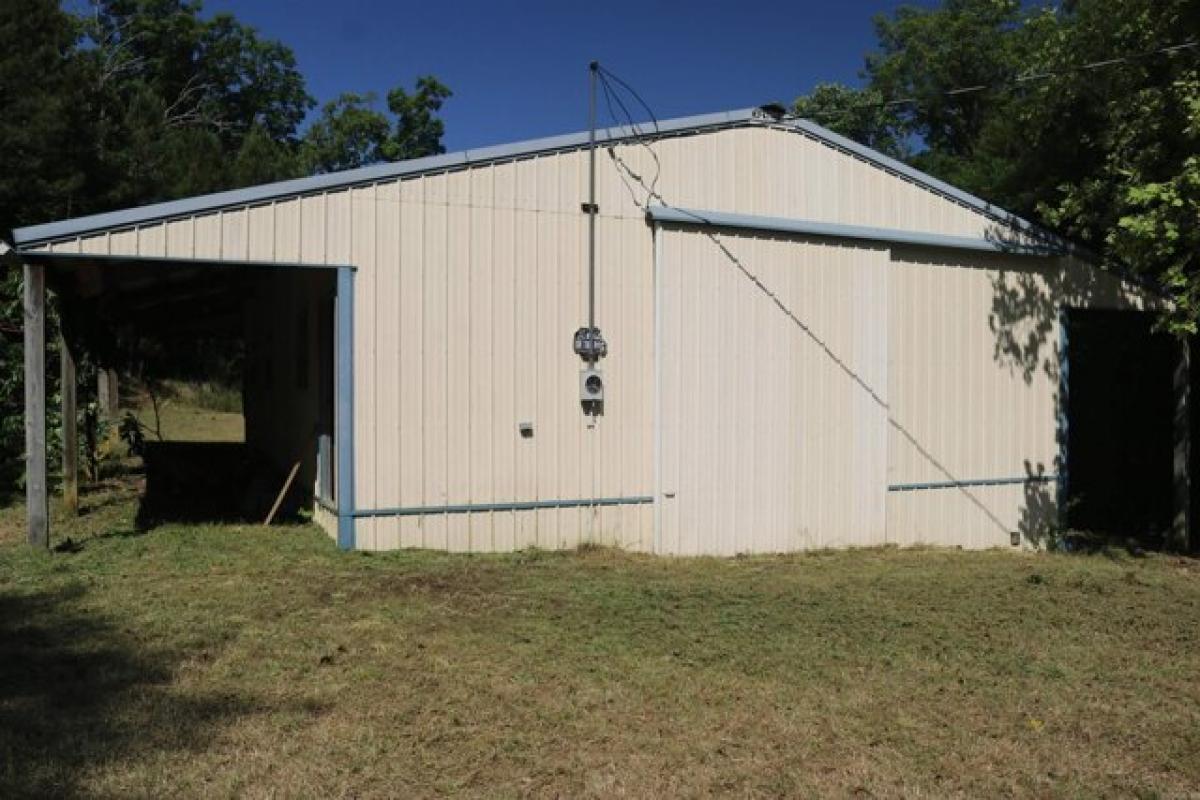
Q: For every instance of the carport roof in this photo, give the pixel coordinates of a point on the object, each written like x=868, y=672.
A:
x=36, y=234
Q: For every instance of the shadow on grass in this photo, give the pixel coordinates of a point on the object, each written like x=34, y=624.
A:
x=79, y=691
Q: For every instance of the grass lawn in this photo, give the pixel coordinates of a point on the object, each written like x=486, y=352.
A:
x=226, y=660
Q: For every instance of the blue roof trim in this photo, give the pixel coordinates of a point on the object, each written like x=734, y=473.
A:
x=363, y=175
x=265, y=193
x=216, y=263
x=804, y=227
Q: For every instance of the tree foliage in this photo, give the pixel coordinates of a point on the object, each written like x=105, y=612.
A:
x=129, y=102
x=351, y=132
x=860, y=114
x=1000, y=98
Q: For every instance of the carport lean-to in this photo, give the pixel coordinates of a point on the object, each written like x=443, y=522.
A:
x=195, y=295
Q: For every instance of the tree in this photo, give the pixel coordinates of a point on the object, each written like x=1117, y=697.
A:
x=43, y=119
x=1112, y=156
x=44, y=160
x=418, y=130
x=138, y=101
x=351, y=132
x=178, y=97
x=999, y=97
x=262, y=159
x=859, y=114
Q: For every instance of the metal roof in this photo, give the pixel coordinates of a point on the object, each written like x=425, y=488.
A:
x=35, y=234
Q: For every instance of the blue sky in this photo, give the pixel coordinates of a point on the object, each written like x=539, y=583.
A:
x=519, y=69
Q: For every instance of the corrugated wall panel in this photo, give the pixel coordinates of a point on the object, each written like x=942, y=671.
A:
x=530, y=450
x=359, y=229
x=973, y=383
x=95, y=244
x=386, y=398
x=504, y=355
x=484, y=380
x=434, y=356
x=772, y=421
x=458, y=359
x=483, y=299
x=234, y=237
x=287, y=231
x=152, y=240
x=181, y=238
x=208, y=236
x=260, y=233
x=411, y=360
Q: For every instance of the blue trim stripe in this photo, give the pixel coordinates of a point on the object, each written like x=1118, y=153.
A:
x=344, y=422
x=520, y=505
x=804, y=227
x=916, y=487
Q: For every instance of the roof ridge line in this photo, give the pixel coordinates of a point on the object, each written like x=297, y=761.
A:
x=266, y=192
x=375, y=173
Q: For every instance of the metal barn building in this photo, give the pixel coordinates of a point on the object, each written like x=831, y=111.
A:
x=808, y=344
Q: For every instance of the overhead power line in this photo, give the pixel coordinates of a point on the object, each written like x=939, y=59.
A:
x=1017, y=81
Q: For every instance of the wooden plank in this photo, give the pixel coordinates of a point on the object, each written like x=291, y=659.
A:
x=37, y=516
x=70, y=433
x=287, y=484
x=108, y=390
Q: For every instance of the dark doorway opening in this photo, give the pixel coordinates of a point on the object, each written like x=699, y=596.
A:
x=1120, y=434
x=189, y=338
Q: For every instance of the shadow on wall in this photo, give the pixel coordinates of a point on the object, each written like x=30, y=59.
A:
x=78, y=692
x=1117, y=431
x=1038, y=521
x=1028, y=296
x=1032, y=516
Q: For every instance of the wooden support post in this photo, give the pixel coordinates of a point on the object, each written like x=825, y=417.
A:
x=108, y=393
x=36, y=504
x=70, y=432
x=1182, y=518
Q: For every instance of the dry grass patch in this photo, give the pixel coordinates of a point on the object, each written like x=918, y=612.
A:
x=229, y=660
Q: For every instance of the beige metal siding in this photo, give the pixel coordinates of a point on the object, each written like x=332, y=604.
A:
x=466, y=303
x=772, y=419
x=470, y=283
x=973, y=383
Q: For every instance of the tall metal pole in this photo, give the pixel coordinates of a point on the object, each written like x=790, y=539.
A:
x=593, y=67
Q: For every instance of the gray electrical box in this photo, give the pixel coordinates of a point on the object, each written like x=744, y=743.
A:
x=591, y=385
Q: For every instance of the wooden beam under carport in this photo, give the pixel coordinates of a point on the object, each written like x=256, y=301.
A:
x=36, y=264
x=36, y=501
